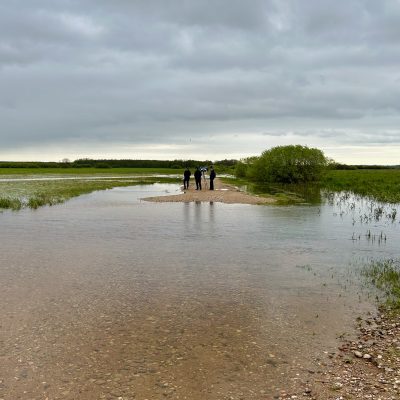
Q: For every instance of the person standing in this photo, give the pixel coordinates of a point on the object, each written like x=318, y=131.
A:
x=197, y=178
x=186, y=178
x=212, y=177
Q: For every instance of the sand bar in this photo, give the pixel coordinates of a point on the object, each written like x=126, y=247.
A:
x=223, y=193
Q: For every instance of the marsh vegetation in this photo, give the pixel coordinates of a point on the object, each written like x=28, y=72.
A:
x=379, y=184
x=294, y=169
x=385, y=275
x=35, y=192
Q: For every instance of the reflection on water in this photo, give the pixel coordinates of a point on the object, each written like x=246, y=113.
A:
x=108, y=296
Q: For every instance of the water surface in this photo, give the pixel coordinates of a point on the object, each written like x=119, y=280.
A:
x=108, y=296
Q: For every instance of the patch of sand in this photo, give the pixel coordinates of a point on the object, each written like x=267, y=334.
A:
x=223, y=193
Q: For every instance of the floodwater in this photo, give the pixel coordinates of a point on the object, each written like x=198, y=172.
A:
x=110, y=297
x=35, y=178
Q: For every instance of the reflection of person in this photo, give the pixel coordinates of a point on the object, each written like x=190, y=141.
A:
x=186, y=178
x=212, y=177
x=197, y=177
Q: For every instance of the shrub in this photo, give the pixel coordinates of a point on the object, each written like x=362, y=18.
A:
x=289, y=164
x=240, y=169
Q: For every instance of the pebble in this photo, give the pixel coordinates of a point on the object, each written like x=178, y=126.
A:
x=337, y=386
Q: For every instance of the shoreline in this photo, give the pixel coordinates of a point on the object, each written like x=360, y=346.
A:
x=367, y=367
x=223, y=193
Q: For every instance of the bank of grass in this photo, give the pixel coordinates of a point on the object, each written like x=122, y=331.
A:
x=385, y=276
x=34, y=194
x=283, y=194
x=381, y=185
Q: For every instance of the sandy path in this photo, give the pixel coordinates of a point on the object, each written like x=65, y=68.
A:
x=223, y=193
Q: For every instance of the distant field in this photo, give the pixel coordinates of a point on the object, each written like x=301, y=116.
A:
x=89, y=171
x=382, y=185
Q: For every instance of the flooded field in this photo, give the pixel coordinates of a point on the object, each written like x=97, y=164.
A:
x=34, y=178
x=110, y=297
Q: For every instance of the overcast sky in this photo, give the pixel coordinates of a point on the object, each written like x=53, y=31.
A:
x=199, y=79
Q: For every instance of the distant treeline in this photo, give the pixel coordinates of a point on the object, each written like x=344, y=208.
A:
x=175, y=164
x=89, y=163
x=353, y=167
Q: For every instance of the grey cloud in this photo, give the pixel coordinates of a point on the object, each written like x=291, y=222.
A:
x=147, y=72
x=346, y=136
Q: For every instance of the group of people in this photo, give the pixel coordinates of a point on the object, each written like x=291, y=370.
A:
x=198, y=175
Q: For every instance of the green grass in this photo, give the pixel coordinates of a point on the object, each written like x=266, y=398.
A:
x=385, y=276
x=34, y=194
x=284, y=194
x=89, y=171
x=10, y=202
x=381, y=185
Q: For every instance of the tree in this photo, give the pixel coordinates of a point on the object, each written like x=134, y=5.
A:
x=288, y=164
x=242, y=166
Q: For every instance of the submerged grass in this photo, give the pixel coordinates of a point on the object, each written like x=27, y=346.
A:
x=381, y=185
x=34, y=194
x=385, y=276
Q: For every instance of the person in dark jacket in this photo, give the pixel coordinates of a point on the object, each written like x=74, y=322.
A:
x=186, y=178
x=197, y=177
x=212, y=177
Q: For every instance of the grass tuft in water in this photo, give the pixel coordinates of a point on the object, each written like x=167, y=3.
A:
x=11, y=203
x=385, y=275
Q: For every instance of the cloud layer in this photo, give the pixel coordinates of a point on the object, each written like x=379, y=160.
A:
x=189, y=78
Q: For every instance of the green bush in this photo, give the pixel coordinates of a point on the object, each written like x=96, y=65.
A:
x=288, y=164
x=240, y=169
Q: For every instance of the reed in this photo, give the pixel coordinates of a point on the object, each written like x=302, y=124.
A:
x=381, y=185
x=385, y=276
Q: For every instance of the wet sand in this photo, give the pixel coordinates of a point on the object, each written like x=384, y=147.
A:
x=223, y=193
